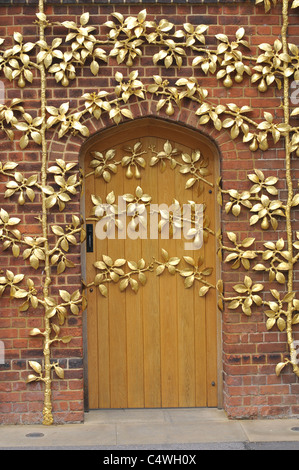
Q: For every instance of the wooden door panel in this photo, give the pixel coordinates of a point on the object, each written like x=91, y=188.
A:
x=155, y=347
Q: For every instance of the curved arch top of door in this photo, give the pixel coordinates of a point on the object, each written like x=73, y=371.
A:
x=151, y=334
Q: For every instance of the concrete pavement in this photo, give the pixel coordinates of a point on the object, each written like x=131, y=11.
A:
x=189, y=428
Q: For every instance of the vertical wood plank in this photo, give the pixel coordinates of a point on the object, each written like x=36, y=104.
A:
x=151, y=302
x=117, y=312
x=185, y=308
x=92, y=312
x=200, y=313
x=134, y=303
x=168, y=302
x=101, y=247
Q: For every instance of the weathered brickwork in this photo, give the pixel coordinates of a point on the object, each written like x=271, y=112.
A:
x=249, y=352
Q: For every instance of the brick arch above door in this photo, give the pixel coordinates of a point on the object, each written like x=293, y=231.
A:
x=72, y=146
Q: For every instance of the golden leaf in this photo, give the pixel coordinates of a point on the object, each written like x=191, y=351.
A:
x=20, y=294
x=114, y=276
x=51, y=312
x=103, y=290
x=232, y=237
x=281, y=324
x=203, y=291
x=34, y=261
x=283, y=266
x=280, y=278
x=134, y=285
x=119, y=262
x=31, y=378
x=65, y=295
x=35, y=332
x=189, y=260
x=174, y=261
x=94, y=67
x=190, y=183
x=234, y=304
x=100, y=265
x=66, y=339
x=295, y=200
x=107, y=260
x=247, y=242
x=123, y=284
x=186, y=272
x=280, y=365
x=127, y=113
x=35, y=366
x=57, y=230
x=51, y=201
x=220, y=286
x=270, y=323
x=240, y=288
x=61, y=267
x=189, y=281
x=74, y=309
x=15, y=250
x=59, y=371
x=142, y=278
x=132, y=265
x=254, y=219
x=34, y=301
x=160, y=269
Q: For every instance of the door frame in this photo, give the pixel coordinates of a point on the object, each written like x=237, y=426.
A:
x=122, y=128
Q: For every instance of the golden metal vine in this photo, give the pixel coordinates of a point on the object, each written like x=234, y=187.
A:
x=126, y=38
x=113, y=271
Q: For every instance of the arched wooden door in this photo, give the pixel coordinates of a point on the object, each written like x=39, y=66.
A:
x=151, y=315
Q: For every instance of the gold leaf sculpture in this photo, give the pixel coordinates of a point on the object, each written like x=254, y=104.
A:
x=275, y=65
x=113, y=271
x=194, y=164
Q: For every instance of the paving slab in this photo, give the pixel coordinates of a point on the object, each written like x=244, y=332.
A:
x=184, y=433
x=271, y=430
x=62, y=435
x=199, y=428
x=124, y=416
x=168, y=425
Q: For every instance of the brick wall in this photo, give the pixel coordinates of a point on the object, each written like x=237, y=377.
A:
x=250, y=352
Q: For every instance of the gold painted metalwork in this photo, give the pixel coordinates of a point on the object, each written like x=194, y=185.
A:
x=106, y=165
x=279, y=256
x=195, y=166
x=126, y=36
x=113, y=272
x=171, y=221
